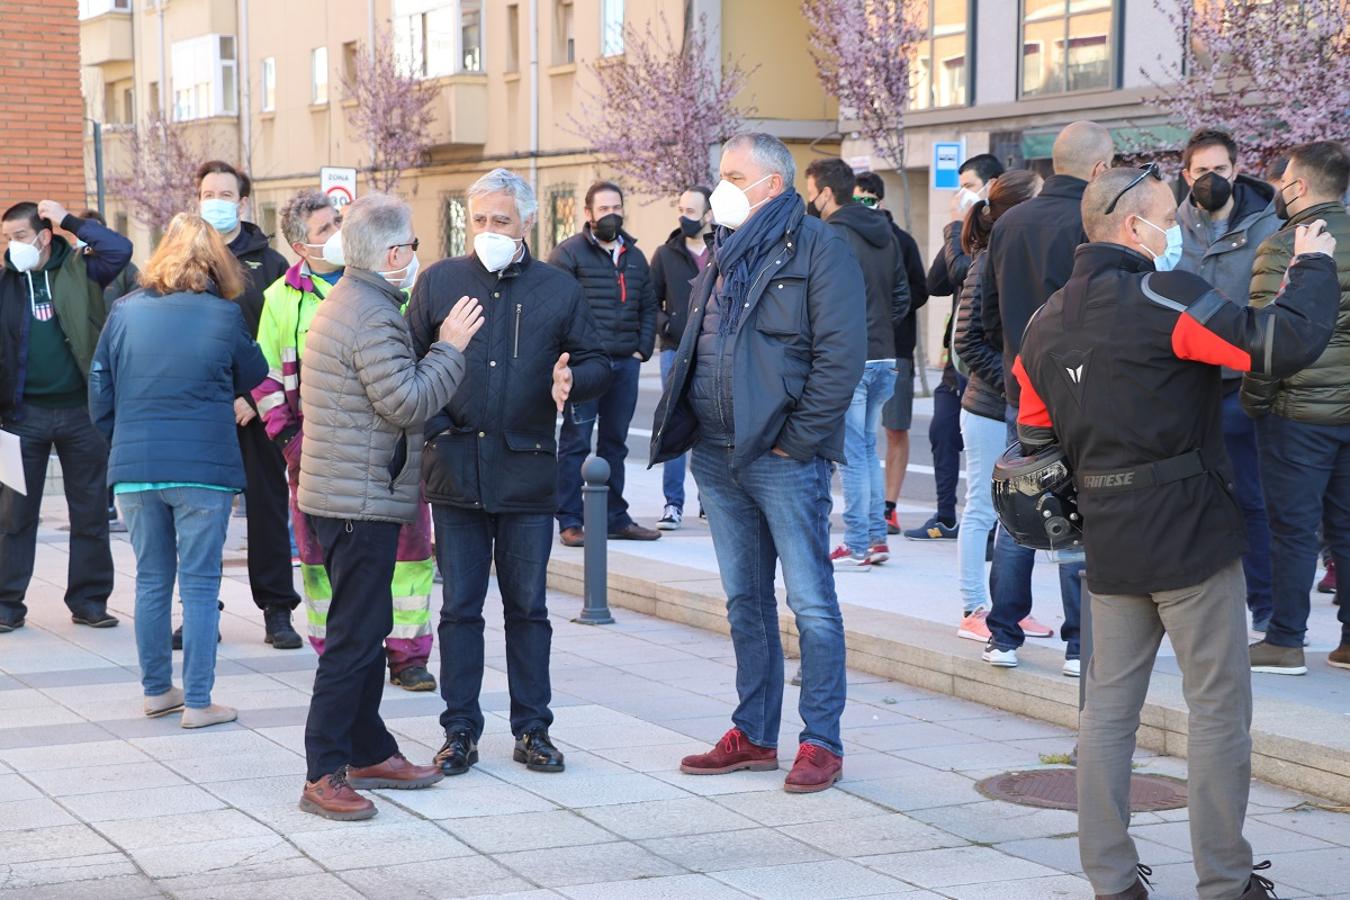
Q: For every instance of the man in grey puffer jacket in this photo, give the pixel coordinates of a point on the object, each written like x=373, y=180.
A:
x=365, y=398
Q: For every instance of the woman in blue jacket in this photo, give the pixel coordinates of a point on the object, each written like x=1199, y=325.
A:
x=169, y=364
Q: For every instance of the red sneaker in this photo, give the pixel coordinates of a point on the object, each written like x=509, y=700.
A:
x=732, y=753
x=816, y=769
x=893, y=522
x=878, y=553
x=1328, y=583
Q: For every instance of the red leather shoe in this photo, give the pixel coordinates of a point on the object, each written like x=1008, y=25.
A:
x=395, y=772
x=1328, y=583
x=815, y=770
x=732, y=753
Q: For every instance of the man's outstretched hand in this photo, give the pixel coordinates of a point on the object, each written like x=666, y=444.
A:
x=562, y=381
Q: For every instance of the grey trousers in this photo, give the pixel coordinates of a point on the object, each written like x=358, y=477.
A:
x=1207, y=624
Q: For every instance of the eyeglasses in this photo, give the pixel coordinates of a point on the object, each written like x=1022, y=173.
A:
x=869, y=202
x=1150, y=169
x=413, y=244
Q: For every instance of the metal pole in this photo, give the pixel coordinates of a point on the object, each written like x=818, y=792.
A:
x=595, y=515
x=98, y=169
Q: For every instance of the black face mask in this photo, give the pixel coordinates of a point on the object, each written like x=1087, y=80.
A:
x=1281, y=205
x=690, y=227
x=607, y=227
x=1211, y=191
x=812, y=210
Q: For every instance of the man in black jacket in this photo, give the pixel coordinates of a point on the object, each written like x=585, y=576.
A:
x=774, y=348
x=52, y=309
x=675, y=265
x=898, y=412
x=829, y=196
x=618, y=288
x=1030, y=257
x=490, y=468
x=223, y=192
x=1122, y=368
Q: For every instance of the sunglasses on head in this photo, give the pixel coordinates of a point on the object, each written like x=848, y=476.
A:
x=869, y=202
x=1144, y=172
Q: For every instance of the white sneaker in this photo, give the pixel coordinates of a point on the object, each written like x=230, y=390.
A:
x=1073, y=668
x=1003, y=659
x=671, y=519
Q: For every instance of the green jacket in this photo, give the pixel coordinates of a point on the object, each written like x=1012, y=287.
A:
x=1320, y=394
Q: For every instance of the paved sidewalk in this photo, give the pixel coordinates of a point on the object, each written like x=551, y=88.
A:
x=98, y=802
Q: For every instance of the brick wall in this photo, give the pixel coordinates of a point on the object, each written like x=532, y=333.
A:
x=41, y=110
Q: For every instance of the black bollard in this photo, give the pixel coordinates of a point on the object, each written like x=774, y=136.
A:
x=595, y=516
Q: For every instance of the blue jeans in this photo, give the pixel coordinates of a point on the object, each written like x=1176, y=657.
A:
x=777, y=510
x=1239, y=437
x=1010, y=586
x=1306, y=470
x=864, y=483
x=178, y=531
x=984, y=440
x=946, y=440
x=614, y=409
x=467, y=543
x=672, y=471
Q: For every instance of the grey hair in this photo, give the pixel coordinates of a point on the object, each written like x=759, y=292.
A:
x=768, y=152
x=295, y=215
x=504, y=180
x=370, y=226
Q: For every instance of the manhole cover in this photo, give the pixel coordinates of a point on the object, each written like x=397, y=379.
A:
x=1058, y=789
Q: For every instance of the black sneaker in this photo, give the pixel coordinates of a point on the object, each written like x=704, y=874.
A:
x=413, y=678
x=94, y=618
x=1260, y=887
x=670, y=519
x=178, y=632
x=458, y=754
x=280, y=633
x=933, y=530
x=536, y=751
x=8, y=625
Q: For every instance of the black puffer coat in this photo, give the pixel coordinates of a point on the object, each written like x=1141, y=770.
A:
x=620, y=295
x=984, y=394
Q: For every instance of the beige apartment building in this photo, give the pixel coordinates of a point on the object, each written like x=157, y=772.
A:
x=260, y=82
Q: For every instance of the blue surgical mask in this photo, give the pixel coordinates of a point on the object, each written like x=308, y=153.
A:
x=222, y=215
x=1172, y=255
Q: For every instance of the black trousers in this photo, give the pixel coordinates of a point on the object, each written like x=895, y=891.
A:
x=269, y=542
x=344, y=725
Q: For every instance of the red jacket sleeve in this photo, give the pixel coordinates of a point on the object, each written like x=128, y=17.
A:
x=1034, y=426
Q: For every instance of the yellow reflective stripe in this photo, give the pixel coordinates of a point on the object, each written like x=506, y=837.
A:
x=413, y=578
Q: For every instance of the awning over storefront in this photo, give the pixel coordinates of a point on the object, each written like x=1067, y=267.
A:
x=1128, y=138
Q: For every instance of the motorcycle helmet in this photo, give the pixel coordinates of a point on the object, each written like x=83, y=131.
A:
x=1035, y=498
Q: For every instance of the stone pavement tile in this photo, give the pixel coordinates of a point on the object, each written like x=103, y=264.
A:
x=290, y=737
x=810, y=881
x=42, y=735
x=235, y=766
x=1059, y=853
x=13, y=787
x=24, y=698
x=976, y=757
x=1318, y=823
x=20, y=815
x=116, y=887
x=674, y=887
x=777, y=808
x=187, y=828
x=23, y=877
x=281, y=662
x=663, y=710
x=59, y=842
x=872, y=835
x=653, y=759
x=590, y=714
x=869, y=765
x=382, y=845
x=993, y=821
x=114, y=805
x=944, y=868
x=910, y=736
x=263, y=866
x=667, y=818
x=742, y=782
x=689, y=672
x=601, y=790
x=918, y=791
x=1264, y=838
x=733, y=850
x=10, y=683
x=944, y=709
x=1276, y=799
x=62, y=756
x=318, y=886
x=526, y=831
x=141, y=727
x=218, y=742
x=469, y=795
x=599, y=737
x=587, y=865
x=440, y=878
x=580, y=764
x=237, y=858
x=1053, y=887
x=540, y=894
x=98, y=779
x=1161, y=854
x=868, y=715
x=1007, y=727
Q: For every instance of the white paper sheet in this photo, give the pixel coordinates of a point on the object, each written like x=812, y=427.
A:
x=11, y=463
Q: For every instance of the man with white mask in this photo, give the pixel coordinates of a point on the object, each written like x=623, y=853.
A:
x=312, y=227
x=766, y=370
x=491, y=465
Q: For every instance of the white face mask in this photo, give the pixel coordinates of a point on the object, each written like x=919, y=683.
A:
x=494, y=251
x=409, y=274
x=24, y=256
x=332, y=250
x=966, y=198
x=730, y=206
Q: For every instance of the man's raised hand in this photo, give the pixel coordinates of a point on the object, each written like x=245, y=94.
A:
x=562, y=381
x=463, y=322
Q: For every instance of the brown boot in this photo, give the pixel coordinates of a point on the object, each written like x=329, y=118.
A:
x=1340, y=657
x=333, y=798
x=572, y=537
x=395, y=772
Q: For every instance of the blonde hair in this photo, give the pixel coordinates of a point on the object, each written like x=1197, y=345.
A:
x=192, y=257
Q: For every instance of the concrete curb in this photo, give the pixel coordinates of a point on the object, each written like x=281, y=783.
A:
x=1292, y=746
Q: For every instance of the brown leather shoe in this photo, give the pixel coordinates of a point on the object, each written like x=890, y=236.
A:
x=732, y=753
x=815, y=770
x=333, y=798
x=635, y=532
x=1340, y=657
x=1136, y=891
x=572, y=537
x=395, y=772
